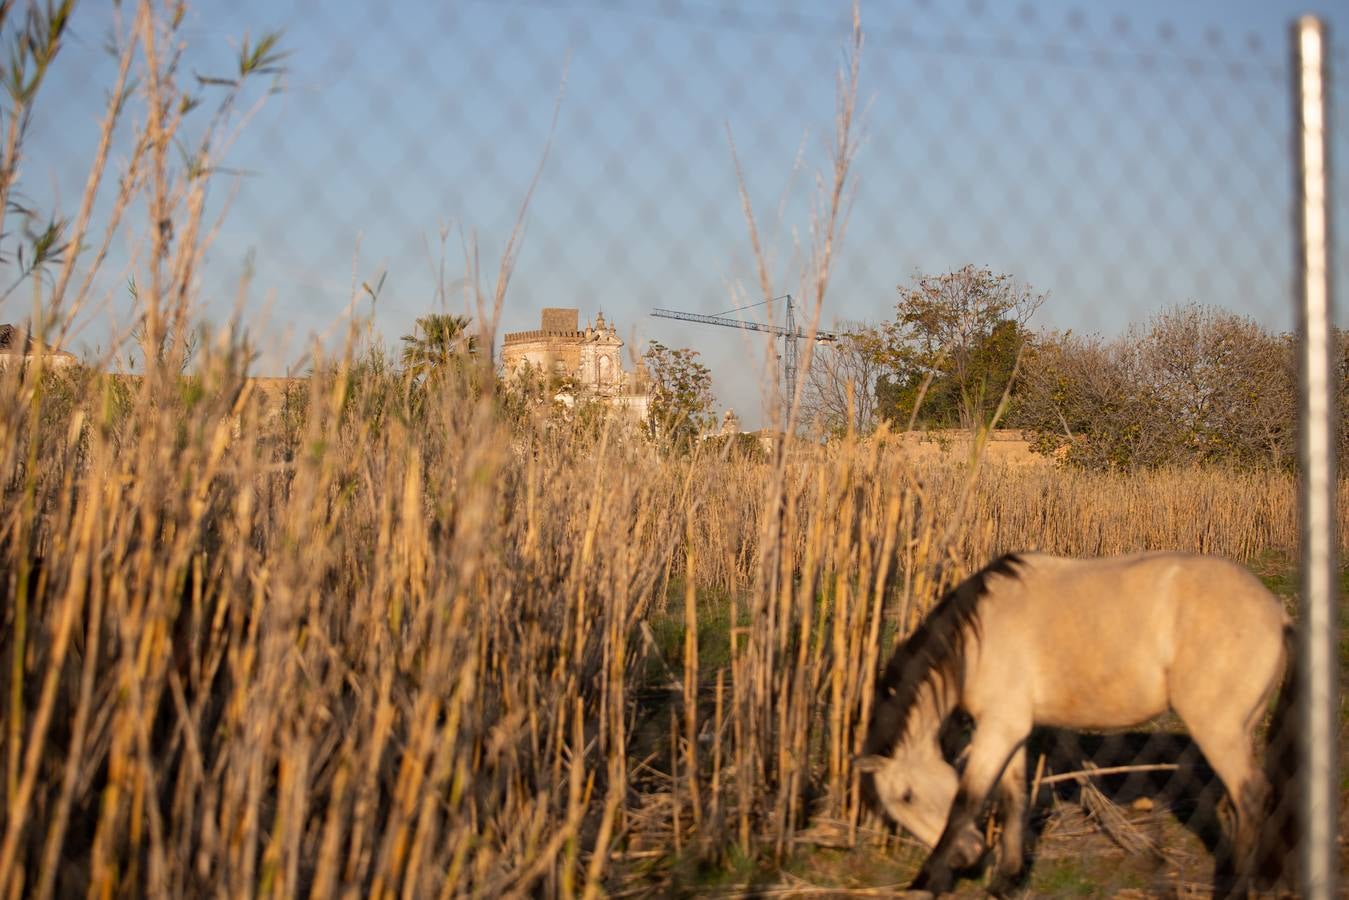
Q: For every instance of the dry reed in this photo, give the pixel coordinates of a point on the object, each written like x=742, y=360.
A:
x=387, y=638
x=403, y=655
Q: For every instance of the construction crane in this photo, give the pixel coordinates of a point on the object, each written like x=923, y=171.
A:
x=788, y=331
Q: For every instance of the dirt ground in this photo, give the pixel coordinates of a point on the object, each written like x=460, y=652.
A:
x=1138, y=834
x=1006, y=446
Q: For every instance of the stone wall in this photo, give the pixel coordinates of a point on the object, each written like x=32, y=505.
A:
x=560, y=319
x=18, y=348
x=550, y=352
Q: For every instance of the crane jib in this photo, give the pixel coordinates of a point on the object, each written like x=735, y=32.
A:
x=727, y=322
x=789, y=333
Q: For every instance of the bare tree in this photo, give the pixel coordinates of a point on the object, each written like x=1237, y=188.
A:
x=1086, y=400
x=840, y=389
x=1195, y=384
x=1270, y=425
x=1226, y=385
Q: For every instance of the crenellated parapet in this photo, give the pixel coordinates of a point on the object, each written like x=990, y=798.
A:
x=538, y=334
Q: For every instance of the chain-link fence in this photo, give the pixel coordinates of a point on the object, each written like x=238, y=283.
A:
x=497, y=447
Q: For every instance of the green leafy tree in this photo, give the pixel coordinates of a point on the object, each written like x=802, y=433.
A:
x=438, y=341
x=960, y=334
x=681, y=388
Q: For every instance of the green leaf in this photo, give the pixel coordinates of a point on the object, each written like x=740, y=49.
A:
x=263, y=58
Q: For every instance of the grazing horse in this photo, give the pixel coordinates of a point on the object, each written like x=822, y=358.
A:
x=1080, y=644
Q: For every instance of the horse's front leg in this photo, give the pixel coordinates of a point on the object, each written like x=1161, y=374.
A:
x=961, y=845
x=1012, y=809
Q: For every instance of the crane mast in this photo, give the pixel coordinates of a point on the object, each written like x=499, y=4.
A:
x=788, y=331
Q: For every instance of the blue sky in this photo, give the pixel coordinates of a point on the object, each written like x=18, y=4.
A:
x=1120, y=157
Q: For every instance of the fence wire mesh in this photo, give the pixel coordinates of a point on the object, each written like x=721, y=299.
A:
x=497, y=447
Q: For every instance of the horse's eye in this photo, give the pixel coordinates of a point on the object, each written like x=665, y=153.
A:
x=908, y=796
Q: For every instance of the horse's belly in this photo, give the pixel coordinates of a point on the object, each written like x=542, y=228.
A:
x=1100, y=699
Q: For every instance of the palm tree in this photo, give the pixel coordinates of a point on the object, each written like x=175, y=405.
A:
x=436, y=341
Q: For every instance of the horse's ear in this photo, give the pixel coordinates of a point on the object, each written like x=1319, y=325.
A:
x=870, y=764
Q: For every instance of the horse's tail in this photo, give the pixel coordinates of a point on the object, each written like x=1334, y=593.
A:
x=1280, y=834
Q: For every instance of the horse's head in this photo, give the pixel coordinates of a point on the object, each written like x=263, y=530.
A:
x=915, y=786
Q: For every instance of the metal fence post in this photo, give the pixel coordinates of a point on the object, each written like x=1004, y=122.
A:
x=1319, y=621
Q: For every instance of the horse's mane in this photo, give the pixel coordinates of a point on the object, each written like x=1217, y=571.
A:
x=934, y=650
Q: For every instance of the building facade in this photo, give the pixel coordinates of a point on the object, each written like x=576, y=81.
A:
x=19, y=348
x=591, y=358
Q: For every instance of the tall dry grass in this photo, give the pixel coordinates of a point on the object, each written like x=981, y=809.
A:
x=399, y=646
x=397, y=638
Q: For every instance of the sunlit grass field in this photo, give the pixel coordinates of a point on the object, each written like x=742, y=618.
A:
x=442, y=641
x=376, y=632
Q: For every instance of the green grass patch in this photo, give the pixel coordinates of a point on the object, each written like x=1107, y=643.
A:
x=695, y=872
x=716, y=616
x=1279, y=572
x=1064, y=878
x=860, y=867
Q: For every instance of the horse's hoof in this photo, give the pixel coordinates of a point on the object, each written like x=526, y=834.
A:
x=1006, y=884
x=967, y=849
x=934, y=883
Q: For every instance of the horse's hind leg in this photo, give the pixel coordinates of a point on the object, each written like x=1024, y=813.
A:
x=1234, y=867
x=1228, y=747
x=1011, y=793
x=1220, y=683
